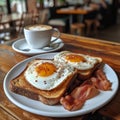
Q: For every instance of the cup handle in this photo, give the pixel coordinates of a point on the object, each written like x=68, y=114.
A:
x=58, y=34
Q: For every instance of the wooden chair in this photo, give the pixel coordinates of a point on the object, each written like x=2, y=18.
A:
x=26, y=19
x=1, y=29
x=57, y=23
x=1, y=26
x=5, y=30
x=44, y=19
x=92, y=23
x=43, y=16
x=77, y=28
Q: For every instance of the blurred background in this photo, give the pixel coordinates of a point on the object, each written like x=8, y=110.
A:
x=45, y=12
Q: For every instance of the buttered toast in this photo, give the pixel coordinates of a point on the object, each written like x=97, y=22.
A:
x=43, y=80
x=85, y=64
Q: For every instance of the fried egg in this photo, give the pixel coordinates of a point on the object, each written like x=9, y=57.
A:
x=46, y=74
x=78, y=61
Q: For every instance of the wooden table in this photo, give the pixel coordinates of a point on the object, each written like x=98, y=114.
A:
x=109, y=51
x=73, y=11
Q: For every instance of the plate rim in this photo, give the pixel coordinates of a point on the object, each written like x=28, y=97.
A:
x=49, y=114
x=37, y=52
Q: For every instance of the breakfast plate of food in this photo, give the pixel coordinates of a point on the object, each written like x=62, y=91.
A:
x=61, y=84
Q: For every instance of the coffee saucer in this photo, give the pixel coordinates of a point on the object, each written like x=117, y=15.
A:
x=21, y=46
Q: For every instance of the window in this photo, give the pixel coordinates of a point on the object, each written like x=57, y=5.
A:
x=18, y=6
x=3, y=8
x=48, y=3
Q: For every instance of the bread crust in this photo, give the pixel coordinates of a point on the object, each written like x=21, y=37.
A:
x=19, y=85
x=83, y=75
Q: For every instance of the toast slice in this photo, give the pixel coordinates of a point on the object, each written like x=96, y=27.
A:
x=83, y=75
x=85, y=64
x=20, y=85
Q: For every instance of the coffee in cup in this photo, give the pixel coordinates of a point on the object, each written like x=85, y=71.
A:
x=39, y=36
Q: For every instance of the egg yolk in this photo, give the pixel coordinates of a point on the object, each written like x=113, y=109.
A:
x=45, y=69
x=75, y=58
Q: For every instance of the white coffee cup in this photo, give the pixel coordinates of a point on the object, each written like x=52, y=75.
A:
x=39, y=36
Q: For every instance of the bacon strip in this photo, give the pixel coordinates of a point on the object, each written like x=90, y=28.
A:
x=100, y=81
x=79, y=95
x=88, y=89
x=70, y=103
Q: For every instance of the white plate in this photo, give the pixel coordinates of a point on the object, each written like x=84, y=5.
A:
x=58, y=111
x=22, y=44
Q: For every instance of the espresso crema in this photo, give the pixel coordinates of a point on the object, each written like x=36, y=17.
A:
x=39, y=27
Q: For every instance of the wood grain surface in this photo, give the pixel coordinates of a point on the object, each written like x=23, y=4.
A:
x=108, y=51
x=72, y=11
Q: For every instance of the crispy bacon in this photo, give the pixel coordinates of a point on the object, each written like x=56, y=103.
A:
x=100, y=81
x=89, y=89
x=79, y=95
x=85, y=91
x=70, y=103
